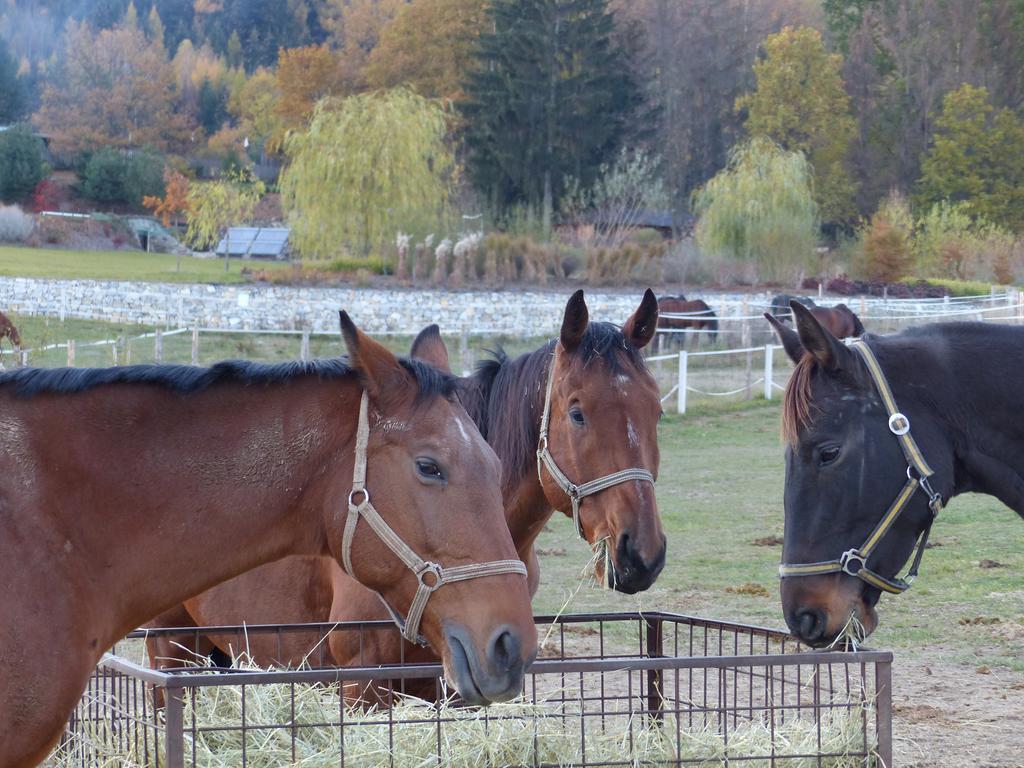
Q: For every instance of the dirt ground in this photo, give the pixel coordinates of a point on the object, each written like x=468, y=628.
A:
x=948, y=715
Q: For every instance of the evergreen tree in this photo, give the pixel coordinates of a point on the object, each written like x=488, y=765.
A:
x=21, y=163
x=13, y=96
x=212, y=106
x=551, y=99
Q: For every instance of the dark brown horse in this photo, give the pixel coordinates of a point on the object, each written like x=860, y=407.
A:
x=8, y=331
x=604, y=411
x=700, y=318
x=124, y=491
x=880, y=436
x=780, y=305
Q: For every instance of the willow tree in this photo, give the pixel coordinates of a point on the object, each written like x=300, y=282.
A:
x=760, y=208
x=368, y=167
x=215, y=206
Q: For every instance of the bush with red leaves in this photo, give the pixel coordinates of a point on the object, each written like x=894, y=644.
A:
x=47, y=196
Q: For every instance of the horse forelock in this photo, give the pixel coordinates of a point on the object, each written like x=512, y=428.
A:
x=506, y=397
x=796, y=402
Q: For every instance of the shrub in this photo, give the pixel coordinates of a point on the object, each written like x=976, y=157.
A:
x=111, y=176
x=15, y=225
x=887, y=253
x=21, y=163
x=950, y=243
x=47, y=196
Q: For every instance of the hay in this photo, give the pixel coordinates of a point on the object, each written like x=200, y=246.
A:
x=518, y=733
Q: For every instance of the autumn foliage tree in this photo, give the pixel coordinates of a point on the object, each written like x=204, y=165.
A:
x=800, y=104
x=429, y=46
x=368, y=167
x=113, y=87
x=304, y=76
x=175, y=199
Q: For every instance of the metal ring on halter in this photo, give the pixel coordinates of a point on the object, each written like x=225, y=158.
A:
x=852, y=554
x=430, y=569
x=899, y=424
x=353, y=492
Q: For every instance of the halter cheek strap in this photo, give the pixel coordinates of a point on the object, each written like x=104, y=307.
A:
x=576, y=493
x=854, y=561
x=431, y=576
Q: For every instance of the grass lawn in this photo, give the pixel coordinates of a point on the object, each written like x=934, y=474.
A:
x=720, y=488
x=120, y=265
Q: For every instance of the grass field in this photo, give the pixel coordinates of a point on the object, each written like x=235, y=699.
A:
x=120, y=265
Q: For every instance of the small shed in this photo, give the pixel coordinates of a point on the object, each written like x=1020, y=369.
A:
x=255, y=243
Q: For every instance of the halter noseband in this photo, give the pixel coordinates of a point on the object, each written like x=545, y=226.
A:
x=854, y=561
x=431, y=576
x=576, y=493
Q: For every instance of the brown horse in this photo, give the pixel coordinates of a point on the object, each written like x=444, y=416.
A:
x=702, y=318
x=8, y=331
x=123, y=491
x=839, y=320
x=603, y=414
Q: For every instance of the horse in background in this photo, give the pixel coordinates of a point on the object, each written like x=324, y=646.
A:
x=840, y=321
x=701, y=317
x=780, y=306
x=9, y=331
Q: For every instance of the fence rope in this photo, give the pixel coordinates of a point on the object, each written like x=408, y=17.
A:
x=744, y=388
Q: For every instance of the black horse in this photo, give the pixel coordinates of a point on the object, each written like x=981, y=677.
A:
x=780, y=305
x=862, y=488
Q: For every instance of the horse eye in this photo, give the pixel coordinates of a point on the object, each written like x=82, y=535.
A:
x=429, y=469
x=829, y=454
x=577, y=416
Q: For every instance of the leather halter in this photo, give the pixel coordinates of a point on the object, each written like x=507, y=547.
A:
x=576, y=493
x=854, y=561
x=431, y=576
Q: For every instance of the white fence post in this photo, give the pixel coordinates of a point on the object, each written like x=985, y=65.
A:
x=63, y=302
x=304, y=348
x=681, y=391
x=158, y=346
x=769, y=350
x=195, y=345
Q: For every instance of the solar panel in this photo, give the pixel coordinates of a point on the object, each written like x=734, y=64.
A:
x=254, y=241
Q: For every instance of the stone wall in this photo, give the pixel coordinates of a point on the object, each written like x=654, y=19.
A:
x=269, y=307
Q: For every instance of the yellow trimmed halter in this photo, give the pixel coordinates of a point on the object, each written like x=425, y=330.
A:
x=431, y=576
x=854, y=561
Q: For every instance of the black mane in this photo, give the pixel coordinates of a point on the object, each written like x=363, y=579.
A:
x=189, y=379
x=506, y=397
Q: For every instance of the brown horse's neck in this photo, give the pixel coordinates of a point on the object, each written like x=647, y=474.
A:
x=506, y=400
x=159, y=495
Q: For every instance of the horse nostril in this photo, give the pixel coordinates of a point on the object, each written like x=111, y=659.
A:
x=811, y=623
x=504, y=651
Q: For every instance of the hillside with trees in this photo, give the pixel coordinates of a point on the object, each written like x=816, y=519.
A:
x=540, y=104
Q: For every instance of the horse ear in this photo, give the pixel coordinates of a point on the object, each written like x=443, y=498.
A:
x=429, y=347
x=830, y=353
x=790, y=339
x=574, y=323
x=381, y=373
x=641, y=327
